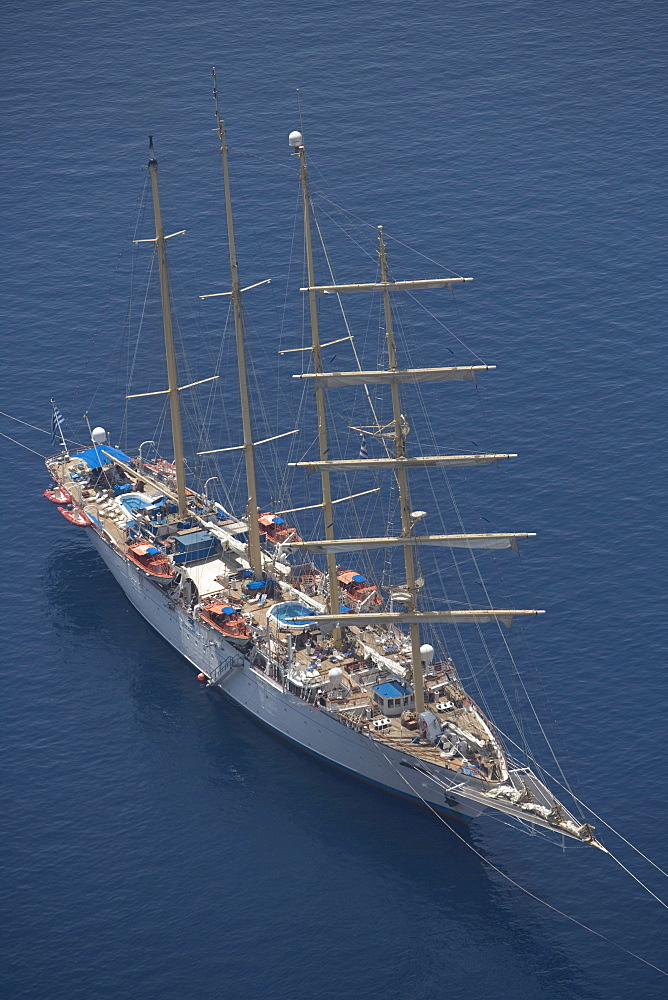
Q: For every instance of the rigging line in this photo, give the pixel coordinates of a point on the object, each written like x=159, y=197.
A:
x=517, y=885
x=394, y=239
x=121, y=257
x=529, y=657
x=140, y=326
x=481, y=670
x=456, y=305
x=635, y=879
x=23, y=445
x=419, y=252
x=288, y=276
x=360, y=246
x=520, y=827
x=540, y=724
x=345, y=321
x=447, y=328
x=462, y=582
x=24, y=422
x=107, y=369
x=527, y=650
x=491, y=663
x=504, y=641
x=124, y=340
x=590, y=810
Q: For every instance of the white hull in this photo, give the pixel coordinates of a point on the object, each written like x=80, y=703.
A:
x=301, y=723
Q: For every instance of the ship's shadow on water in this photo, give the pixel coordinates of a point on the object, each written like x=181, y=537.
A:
x=83, y=597
x=211, y=757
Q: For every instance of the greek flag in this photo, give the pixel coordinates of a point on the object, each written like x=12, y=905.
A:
x=363, y=452
x=56, y=423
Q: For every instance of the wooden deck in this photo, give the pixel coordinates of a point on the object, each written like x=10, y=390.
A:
x=374, y=654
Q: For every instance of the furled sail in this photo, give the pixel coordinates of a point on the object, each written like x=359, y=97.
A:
x=420, y=617
x=386, y=286
x=328, y=380
x=417, y=461
x=476, y=541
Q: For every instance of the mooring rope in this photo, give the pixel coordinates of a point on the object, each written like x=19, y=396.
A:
x=517, y=885
x=19, y=443
x=589, y=809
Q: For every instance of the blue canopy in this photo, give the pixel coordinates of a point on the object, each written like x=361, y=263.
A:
x=390, y=689
x=278, y=520
x=256, y=585
x=229, y=611
x=152, y=551
x=358, y=578
x=95, y=459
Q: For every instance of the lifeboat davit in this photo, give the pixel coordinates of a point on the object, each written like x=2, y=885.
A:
x=76, y=516
x=358, y=589
x=152, y=561
x=226, y=619
x=58, y=495
x=277, y=529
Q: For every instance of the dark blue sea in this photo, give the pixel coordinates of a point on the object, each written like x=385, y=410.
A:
x=156, y=843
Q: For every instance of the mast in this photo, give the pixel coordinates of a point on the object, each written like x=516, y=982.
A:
x=402, y=480
x=172, y=374
x=254, y=548
x=295, y=139
x=399, y=464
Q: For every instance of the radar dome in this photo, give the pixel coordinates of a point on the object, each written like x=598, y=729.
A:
x=335, y=676
x=426, y=653
x=296, y=139
x=98, y=435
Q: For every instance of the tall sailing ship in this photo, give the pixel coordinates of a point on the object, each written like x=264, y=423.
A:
x=314, y=651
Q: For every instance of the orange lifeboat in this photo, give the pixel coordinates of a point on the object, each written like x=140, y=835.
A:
x=277, y=529
x=226, y=619
x=151, y=560
x=358, y=589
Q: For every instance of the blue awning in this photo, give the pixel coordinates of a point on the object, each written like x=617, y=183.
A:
x=392, y=689
x=98, y=456
x=358, y=578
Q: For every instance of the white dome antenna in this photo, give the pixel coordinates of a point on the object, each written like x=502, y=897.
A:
x=98, y=435
x=335, y=677
x=296, y=139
